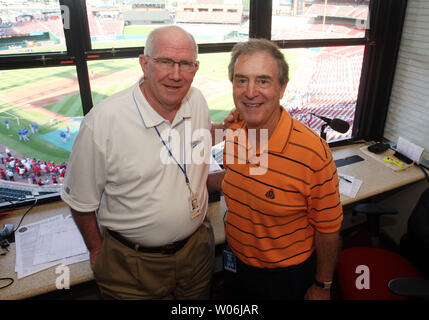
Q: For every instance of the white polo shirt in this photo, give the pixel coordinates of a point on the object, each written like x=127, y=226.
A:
x=120, y=166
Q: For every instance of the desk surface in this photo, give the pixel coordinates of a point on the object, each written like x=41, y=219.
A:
x=43, y=281
x=376, y=178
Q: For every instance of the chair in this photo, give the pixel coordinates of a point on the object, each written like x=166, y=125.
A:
x=374, y=273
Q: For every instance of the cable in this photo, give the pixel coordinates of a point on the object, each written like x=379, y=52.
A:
x=423, y=167
x=20, y=221
x=5, y=286
x=28, y=210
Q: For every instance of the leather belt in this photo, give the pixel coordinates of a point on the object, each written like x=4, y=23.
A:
x=167, y=249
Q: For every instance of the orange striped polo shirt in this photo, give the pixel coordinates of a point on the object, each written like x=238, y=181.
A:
x=272, y=216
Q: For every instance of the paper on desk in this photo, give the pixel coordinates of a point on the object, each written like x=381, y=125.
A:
x=57, y=241
x=25, y=240
x=409, y=149
x=75, y=259
x=34, y=252
x=351, y=188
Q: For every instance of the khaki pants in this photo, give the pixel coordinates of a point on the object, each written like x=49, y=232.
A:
x=124, y=273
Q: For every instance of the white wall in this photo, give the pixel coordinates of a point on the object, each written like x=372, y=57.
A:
x=408, y=113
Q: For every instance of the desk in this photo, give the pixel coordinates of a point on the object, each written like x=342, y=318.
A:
x=376, y=179
x=43, y=281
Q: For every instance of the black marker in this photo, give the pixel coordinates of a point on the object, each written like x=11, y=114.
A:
x=345, y=179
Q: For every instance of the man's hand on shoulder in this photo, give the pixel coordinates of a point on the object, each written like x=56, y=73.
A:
x=217, y=130
x=231, y=118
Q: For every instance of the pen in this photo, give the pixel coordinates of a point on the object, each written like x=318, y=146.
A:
x=345, y=179
x=393, y=161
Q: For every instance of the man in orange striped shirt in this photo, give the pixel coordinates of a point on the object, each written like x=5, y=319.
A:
x=280, y=186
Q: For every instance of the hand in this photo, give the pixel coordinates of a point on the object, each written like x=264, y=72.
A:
x=317, y=293
x=232, y=117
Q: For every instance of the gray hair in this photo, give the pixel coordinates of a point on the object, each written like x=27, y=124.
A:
x=152, y=35
x=260, y=45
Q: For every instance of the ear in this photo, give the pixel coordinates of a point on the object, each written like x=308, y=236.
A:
x=143, y=60
x=282, y=90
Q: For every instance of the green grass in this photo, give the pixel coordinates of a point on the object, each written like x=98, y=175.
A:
x=70, y=106
x=11, y=80
x=37, y=147
x=214, y=64
x=110, y=66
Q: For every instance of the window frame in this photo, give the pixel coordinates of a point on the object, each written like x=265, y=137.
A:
x=381, y=43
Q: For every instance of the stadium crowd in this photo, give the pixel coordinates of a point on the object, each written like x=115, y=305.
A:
x=31, y=171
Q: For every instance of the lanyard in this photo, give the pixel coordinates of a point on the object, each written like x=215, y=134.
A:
x=183, y=169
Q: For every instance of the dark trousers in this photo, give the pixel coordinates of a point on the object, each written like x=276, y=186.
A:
x=289, y=283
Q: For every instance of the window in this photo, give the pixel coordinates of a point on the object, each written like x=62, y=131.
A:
x=70, y=54
x=323, y=81
x=328, y=77
x=46, y=103
x=109, y=77
x=124, y=26
x=302, y=19
x=212, y=80
x=31, y=28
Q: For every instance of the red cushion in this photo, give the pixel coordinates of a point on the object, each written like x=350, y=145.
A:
x=383, y=266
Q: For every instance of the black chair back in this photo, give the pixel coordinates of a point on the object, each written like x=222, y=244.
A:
x=415, y=244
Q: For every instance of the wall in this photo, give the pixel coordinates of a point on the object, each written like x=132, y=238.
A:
x=408, y=113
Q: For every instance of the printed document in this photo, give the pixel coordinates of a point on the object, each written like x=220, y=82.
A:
x=47, y=243
x=349, y=185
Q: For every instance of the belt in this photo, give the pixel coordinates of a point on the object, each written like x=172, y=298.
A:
x=167, y=249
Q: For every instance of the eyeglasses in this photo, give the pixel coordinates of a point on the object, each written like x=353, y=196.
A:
x=260, y=82
x=168, y=64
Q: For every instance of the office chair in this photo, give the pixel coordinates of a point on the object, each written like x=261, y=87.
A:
x=374, y=273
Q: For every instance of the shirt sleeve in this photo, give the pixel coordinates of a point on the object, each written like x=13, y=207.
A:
x=325, y=209
x=85, y=176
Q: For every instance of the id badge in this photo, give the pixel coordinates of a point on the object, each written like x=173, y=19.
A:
x=229, y=261
x=195, y=207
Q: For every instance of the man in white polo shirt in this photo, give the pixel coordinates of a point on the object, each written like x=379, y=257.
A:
x=136, y=169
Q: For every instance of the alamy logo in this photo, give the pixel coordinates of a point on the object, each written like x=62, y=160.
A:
x=362, y=281
x=65, y=14
x=63, y=280
x=194, y=147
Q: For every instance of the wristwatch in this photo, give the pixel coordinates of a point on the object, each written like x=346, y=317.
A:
x=324, y=284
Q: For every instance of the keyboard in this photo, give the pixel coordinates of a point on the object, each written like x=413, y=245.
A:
x=15, y=196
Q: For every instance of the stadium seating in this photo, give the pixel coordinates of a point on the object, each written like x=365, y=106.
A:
x=101, y=27
x=98, y=27
x=331, y=90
